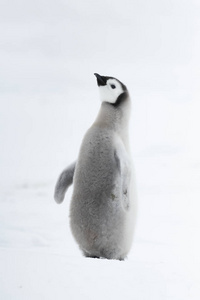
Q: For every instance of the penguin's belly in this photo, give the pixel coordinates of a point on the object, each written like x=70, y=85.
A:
x=97, y=213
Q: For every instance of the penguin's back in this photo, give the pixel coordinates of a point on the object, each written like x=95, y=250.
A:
x=96, y=166
x=97, y=213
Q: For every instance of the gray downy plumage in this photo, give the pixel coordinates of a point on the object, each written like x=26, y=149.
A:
x=64, y=181
x=103, y=205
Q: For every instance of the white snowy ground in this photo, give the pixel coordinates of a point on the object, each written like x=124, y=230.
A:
x=38, y=256
x=48, y=99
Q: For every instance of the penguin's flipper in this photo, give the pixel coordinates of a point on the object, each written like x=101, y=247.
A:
x=123, y=167
x=64, y=181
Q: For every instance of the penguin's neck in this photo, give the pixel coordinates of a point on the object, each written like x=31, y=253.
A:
x=115, y=118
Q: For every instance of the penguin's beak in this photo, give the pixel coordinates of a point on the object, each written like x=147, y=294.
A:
x=100, y=79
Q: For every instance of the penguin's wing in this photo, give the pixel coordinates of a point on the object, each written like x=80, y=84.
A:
x=64, y=181
x=124, y=169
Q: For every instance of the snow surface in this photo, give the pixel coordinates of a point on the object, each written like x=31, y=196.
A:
x=49, y=98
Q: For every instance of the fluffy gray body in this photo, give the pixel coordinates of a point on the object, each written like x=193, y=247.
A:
x=102, y=211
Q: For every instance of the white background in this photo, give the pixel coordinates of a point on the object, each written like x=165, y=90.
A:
x=49, y=51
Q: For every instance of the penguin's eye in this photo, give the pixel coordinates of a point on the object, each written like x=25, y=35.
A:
x=113, y=86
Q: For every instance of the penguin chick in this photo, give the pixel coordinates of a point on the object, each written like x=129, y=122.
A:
x=103, y=205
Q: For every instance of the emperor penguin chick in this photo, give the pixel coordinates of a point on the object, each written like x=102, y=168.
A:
x=103, y=205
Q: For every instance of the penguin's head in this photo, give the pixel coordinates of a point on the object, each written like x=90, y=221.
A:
x=111, y=89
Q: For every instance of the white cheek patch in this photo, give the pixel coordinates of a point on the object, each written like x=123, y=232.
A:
x=108, y=94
